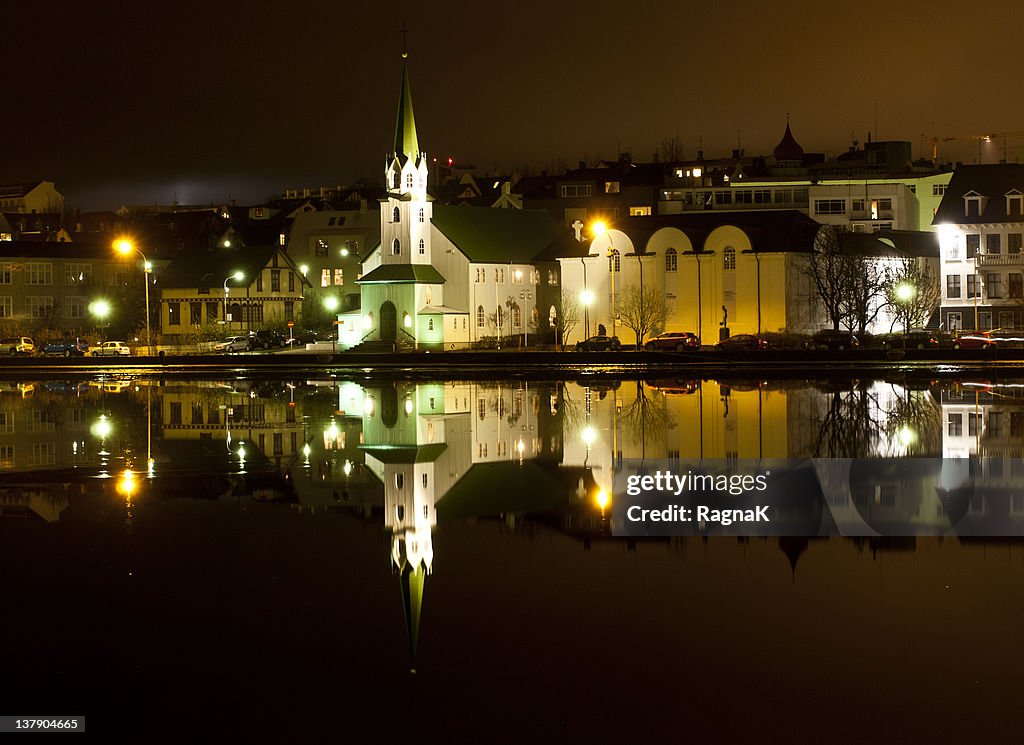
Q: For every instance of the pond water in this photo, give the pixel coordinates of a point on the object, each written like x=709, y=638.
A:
x=297, y=559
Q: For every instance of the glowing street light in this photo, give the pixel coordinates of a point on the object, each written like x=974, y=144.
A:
x=126, y=247
x=905, y=294
x=238, y=277
x=331, y=302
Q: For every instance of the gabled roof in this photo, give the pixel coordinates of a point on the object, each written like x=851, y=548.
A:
x=994, y=181
x=494, y=236
x=17, y=190
x=206, y=269
x=421, y=274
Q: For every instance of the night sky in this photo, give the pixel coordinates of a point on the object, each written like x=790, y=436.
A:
x=129, y=103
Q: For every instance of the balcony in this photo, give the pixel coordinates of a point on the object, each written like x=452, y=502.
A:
x=1014, y=259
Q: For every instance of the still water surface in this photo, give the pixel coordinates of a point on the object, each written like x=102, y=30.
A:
x=296, y=558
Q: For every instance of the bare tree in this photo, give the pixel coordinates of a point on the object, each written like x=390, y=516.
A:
x=644, y=311
x=567, y=316
x=827, y=269
x=671, y=150
x=913, y=291
x=850, y=286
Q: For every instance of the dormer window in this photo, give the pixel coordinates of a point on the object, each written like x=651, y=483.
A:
x=972, y=204
x=1014, y=204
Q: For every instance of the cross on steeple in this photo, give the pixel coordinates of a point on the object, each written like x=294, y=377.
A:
x=404, y=31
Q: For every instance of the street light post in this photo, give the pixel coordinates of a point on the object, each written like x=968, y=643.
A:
x=126, y=247
x=600, y=228
x=238, y=277
x=905, y=293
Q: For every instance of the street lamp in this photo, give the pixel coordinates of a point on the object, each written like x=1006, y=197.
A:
x=586, y=297
x=905, y=294
x=238, y=277
x=100, y=309
x=126, y=247
x=331, y=303
x=599, y=227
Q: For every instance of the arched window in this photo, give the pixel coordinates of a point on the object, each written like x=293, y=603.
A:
x=399, y=481
x=400, y=512
x=396, y=215
x=423, y=247
x=517, y=316
x=430, y=324
x=670, y=260
x=501, y=316
x=428, y=297
x=397, y=181
x=408, y=181
x=614, y=261
x=729, y=258
x=396, y=247
x=480, y=318
x=421, y=214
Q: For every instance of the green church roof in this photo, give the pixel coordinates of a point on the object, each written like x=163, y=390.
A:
x=420, y=274
x=406, y=143
x=496, y=236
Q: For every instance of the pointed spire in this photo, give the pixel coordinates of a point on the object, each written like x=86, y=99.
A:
x=788, y=148
x=413, y=579
x=406, y=143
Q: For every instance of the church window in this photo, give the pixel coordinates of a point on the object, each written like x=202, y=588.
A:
x=408, y=181
x=428, y=297
x=614, y=261
x=396, y=247
x=421, y=214
x=424, y=486
x=399, y=481
x=430, y=324
x=517, y=316
x=480, y=319
x=670, y=260
x=400, y=512
x=423, y=248
x=729, y=259
x=397, y=181
x=396, y=215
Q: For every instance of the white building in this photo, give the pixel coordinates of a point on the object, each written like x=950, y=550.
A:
x=981, y=225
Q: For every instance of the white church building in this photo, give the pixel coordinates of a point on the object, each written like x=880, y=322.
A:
x=444, y=277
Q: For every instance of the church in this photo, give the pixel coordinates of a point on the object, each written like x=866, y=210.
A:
x=449, y=277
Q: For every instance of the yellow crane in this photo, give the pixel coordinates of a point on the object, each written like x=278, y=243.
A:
x=980, y=139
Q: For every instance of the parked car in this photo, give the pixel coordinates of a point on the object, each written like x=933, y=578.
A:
x=973, y=340
x=233, y=344
x=916, y=339
x=598, y=344
x=832, y=339
x=17, y=345
x=67, y=348
x=742, y=342
x=266, y=339
x=673, y=340
x=110, y=349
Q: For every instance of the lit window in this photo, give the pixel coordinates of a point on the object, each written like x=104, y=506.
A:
x=670, y=260
x=339, y=276
x=614, y=261
x=729, y=259
x=325, y=278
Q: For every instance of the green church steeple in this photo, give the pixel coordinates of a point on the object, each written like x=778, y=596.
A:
x=406, y=143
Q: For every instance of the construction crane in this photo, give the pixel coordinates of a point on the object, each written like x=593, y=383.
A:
x=980, y=139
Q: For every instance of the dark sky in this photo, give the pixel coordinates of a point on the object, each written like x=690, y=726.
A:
x=134, y=102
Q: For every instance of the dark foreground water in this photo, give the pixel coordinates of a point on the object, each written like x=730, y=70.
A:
x=306, y=561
